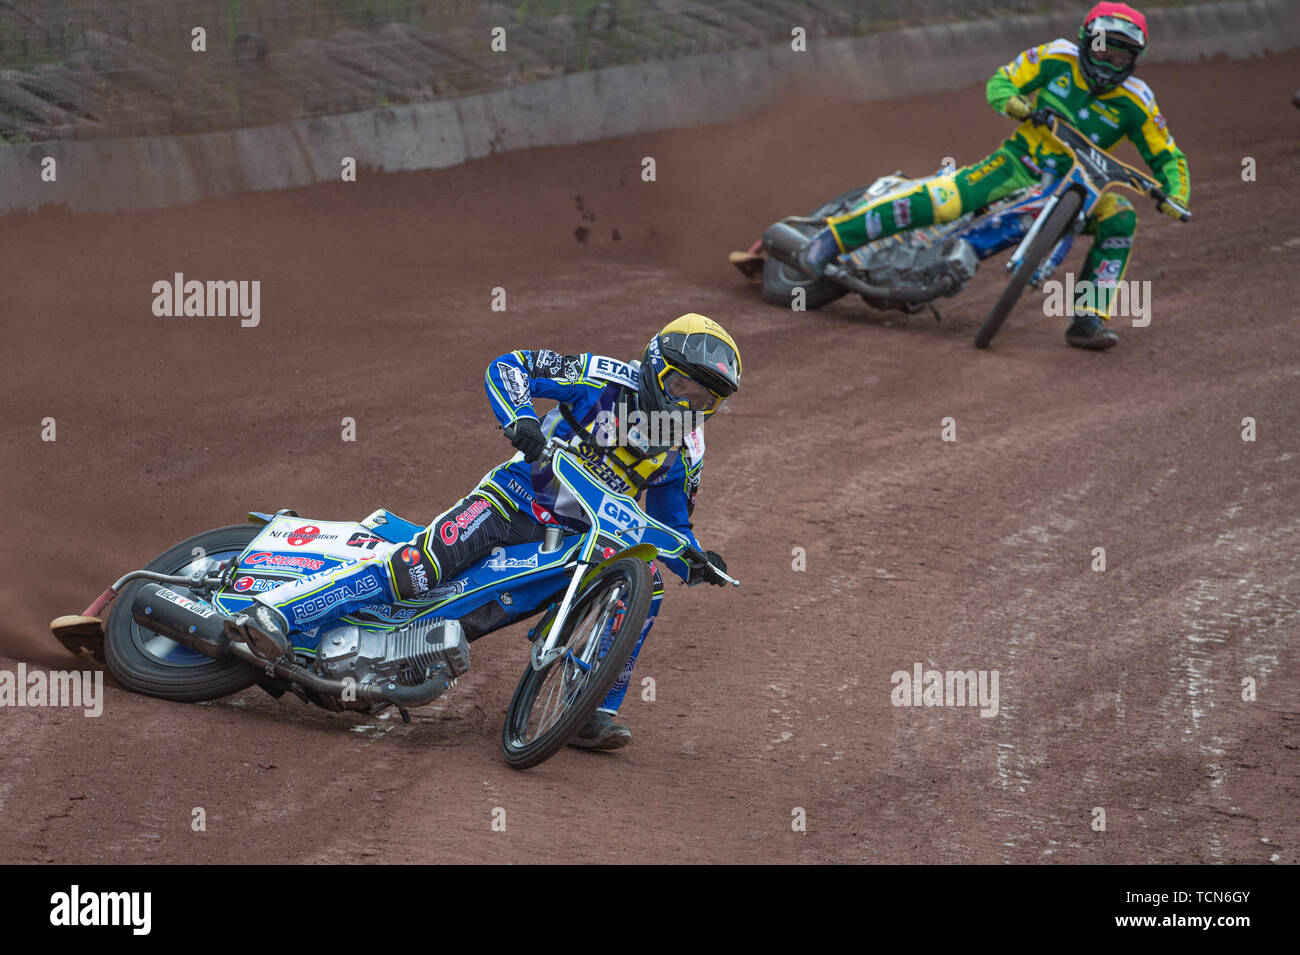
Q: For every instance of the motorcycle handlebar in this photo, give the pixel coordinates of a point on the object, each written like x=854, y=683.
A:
x=696, y=558
x=1159, y=195
x=1044, y=115
x=691, y=555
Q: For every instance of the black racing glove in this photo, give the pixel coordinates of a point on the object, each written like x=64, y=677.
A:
x=1042, y=116
x=526, y=435
x=702, y=575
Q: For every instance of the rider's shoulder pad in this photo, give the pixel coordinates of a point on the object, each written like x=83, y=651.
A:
x=611, y=369
x=1140, y=90
x=1061, y=47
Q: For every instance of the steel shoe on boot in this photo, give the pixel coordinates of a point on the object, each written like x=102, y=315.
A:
x=601, y=732
x=1088, y=331
x=263, y=628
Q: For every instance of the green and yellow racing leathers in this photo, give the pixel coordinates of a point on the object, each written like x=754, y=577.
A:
x=1051, y=73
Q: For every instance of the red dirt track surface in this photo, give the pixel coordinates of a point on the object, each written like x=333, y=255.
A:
x=1120, y=689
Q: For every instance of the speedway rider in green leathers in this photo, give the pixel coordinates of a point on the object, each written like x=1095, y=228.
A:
x=1093, y=86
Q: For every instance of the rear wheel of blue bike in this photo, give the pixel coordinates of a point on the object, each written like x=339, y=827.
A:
x=149, y=663
x=550, y=705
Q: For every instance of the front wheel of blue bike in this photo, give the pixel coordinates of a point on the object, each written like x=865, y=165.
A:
x=1058, y=223
x=550, y=705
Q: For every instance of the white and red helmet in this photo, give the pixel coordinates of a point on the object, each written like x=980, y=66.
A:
x=1111, y=40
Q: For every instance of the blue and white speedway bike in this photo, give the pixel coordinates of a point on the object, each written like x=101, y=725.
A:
x=165, y=636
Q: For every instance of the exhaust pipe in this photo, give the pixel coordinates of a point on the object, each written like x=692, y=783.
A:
x=191, y=623
x=784, y=243
x=846, y=278
x=385, y=692
x=197, y=625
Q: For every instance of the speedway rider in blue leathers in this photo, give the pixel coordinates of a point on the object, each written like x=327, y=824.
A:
x=684, y=375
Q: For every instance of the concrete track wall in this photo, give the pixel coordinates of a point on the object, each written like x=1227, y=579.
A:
x=151, y=172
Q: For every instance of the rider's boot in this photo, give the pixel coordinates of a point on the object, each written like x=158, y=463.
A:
x=601, y=732
x=817, y=252
x=1089, y=331
x=263, y=628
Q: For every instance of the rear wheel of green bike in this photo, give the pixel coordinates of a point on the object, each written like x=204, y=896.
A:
x=780, y=280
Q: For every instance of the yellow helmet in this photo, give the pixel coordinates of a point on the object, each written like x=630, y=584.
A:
x=692, y=365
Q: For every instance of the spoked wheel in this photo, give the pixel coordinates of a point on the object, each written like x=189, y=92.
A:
x=1058, y=223
x=550, y=705
x=780, y=280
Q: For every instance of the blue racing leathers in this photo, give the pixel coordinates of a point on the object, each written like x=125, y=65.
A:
x=597, y=392
x=515, y=501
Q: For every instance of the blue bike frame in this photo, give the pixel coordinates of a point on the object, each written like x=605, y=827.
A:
x=524, y=578
x=1017, y=220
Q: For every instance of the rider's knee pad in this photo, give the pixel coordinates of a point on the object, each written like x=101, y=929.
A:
x=945, y=200
x=411, y=570
x=1113, y=216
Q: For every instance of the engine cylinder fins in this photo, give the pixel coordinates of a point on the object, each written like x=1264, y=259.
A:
x=406, y=656
x=429, y=643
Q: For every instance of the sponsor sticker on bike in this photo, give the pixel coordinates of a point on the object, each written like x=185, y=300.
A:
x=321, y=604
x=301, y=536
x=203, y=610
x=617, y=512
x=387, y=613
x=499, y=561
x=283, y=561
x=346, y=541
x=258, y=584
x=365, y=540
